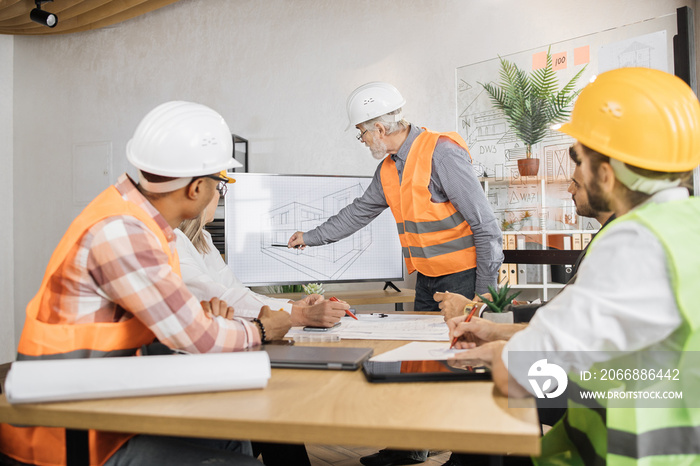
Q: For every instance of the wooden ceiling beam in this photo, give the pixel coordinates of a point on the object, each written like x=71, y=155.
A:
x=73, y=15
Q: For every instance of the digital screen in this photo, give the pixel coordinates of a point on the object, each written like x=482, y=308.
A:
x=262, y=211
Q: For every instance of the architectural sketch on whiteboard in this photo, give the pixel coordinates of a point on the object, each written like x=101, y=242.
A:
x=637, y=55
x=495, y=149
x=647, y=51
x=493, y=145
x=327, y=262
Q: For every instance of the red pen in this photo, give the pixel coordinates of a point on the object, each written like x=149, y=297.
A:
x=469, y=317
x=333, y=298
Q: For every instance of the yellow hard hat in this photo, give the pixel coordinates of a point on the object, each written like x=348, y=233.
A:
x=646, y=118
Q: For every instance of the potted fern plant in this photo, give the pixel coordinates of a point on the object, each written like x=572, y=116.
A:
x=500, y=298
x=532, y=103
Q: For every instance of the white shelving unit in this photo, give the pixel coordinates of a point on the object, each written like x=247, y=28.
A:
x=546, y=289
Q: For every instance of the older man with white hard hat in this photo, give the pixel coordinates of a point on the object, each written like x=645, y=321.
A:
x=448, y=232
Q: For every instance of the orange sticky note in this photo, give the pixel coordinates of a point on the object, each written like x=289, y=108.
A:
x=559, y=61
x=539, y=60
x=582, y=55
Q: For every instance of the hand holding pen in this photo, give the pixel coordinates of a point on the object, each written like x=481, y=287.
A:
x=347, y=311
x=477, y=331
x=296, y=241
x=469, y=317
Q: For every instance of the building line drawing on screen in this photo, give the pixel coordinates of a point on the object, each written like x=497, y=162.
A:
x=265, y=209
x=335, y=258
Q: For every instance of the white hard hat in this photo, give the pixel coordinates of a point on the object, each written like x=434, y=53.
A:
x=182, y=139
x=372, y=100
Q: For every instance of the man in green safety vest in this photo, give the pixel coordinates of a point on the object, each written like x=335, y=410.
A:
x=627, y=333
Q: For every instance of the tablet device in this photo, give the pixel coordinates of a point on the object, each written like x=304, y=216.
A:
x=317, y=357
x=421, y=371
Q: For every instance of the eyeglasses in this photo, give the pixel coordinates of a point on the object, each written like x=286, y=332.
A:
x=222, y=187
x=359, y=136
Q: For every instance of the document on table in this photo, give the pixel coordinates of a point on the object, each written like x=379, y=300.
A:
x=388, y=327
x=419, y=351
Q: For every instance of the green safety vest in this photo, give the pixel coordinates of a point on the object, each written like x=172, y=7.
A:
x=591, y=433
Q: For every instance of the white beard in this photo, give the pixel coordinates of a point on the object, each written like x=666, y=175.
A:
x=378, y=150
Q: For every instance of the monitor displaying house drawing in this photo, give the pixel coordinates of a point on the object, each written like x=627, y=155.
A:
x=264, y=210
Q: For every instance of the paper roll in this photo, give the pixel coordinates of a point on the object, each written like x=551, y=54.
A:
x=84, y=379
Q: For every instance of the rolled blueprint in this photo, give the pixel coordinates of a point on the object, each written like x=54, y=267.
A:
x=84, y=379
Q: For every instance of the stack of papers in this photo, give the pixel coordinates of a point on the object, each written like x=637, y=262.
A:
x=413, y=327
x=84, y=379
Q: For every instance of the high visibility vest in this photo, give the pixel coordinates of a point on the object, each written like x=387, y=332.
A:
x=42, y=340
x=597, y=432
x=435, y=238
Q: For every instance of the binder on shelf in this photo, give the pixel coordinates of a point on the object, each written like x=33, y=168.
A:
x=567, y=243
x=522, y=274
x=563, y=273
x=533, y=272
x=576, y=241
x=511, y=242
x=586, y=239
x=503, y=273
x=521, y=269
x=509, y=271
x=512, y=274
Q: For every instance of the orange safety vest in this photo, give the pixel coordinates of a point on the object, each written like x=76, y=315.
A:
x=46, y=445
x=435, y=238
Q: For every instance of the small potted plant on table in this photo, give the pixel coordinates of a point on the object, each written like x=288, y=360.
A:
x=499, y=299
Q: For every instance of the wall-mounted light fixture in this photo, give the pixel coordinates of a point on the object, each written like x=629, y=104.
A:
x=43, y=17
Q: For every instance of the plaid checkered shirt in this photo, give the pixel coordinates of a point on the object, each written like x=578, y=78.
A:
x=118, y=271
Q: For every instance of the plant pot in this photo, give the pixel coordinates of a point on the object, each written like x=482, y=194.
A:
x=528, y=167
x=498, y=317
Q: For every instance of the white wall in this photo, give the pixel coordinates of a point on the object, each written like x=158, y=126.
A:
x=7, y=281
x=278, y=71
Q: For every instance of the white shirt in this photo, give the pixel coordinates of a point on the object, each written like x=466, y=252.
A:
x=622, y=300
x=207, y=276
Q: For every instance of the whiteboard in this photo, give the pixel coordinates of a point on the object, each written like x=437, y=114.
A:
x=496, y=149
x=263, y=210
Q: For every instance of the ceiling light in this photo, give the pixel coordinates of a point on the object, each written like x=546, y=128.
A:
x=43, y=17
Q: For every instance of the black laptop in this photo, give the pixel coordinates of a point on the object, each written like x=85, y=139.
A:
x=317, y=357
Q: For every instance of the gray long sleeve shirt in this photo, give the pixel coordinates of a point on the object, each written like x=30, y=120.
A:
x=452, y=179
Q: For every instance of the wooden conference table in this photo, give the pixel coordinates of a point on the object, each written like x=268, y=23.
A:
x=364, y=297
x=316, y=406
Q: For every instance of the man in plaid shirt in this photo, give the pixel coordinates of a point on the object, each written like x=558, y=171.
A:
x=113, y=285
